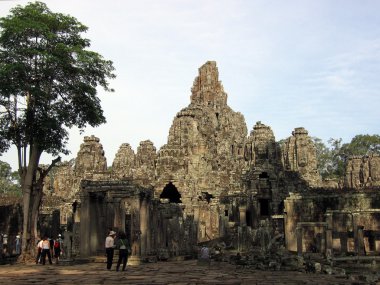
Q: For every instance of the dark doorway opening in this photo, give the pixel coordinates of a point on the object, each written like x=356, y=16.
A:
x=170, y=192
x=263, y=175
x=281, y=208
x=248, y=218
x=128, y=226
x=264, y=207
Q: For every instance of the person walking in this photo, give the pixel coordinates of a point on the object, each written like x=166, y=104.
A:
x=124, y=249
x=58, y=246
x=110, y=246
x=18, y=245
x=46, y=250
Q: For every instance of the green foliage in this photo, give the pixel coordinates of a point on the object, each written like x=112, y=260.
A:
x=9, y=181
x=324, y=162
x=362, y=145
x=48, y=78
x=332, y=159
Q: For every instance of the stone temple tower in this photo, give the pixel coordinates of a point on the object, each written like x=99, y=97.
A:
x=204, y=155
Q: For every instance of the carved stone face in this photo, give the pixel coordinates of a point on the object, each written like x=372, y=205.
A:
x=127, y=207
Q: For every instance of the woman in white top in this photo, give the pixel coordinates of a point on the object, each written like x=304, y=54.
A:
x=110, y=245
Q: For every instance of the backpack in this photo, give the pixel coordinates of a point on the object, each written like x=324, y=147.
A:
x=56, y=244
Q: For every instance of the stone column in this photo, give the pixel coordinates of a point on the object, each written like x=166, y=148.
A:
x=360, y=238
x=76, y=230
x=118, y=215
x=355, y=217
x=323, y=240
x=299, y=233
x=84, y=231
x=144, y=226
x=135, y=259
x=242, y=215
x=329, y=234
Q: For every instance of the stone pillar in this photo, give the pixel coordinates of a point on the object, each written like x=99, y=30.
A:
x=144, y=226
x=329, y=233
x=355, y=217
x=360, y=238
x=255, y=214
x=84, y=231
x=299, y=233
x=76, y=245
x=118, y=221
x=242, y=215
x=110, y=214
x=323, y=240
x=135, y=259
x=196, y=221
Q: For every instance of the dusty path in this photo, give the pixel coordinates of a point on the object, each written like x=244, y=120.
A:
x=181, y=272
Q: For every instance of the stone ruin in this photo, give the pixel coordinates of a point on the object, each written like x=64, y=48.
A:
x=213, y=183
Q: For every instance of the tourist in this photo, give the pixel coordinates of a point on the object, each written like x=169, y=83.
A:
x=204, y=256
x=5, y=245
x=58, y=246
x=46, y=250
x=124, y=249
x=39, y=251
x=18, y=245
x=110, y=245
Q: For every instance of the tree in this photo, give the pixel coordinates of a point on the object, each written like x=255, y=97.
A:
x=338, y=159
x=48, y=84
x=9, y=182
x=324, y=159
x=332, y=159
x=362, y=145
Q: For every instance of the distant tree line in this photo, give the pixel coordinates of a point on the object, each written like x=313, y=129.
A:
x=332, y=157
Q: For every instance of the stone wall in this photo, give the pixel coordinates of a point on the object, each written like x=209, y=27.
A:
x=362, y=171
x=343, y=212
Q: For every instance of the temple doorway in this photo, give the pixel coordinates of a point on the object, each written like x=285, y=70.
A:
x=170, y=192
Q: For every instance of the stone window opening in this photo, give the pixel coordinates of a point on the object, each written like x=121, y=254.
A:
x=226, y=213
x=205, y=196
x=263, y=175
x=170, y=192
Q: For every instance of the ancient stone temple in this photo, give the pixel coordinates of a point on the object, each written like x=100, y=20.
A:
x=212, y=182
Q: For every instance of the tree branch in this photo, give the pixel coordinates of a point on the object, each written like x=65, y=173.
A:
x=44, y=173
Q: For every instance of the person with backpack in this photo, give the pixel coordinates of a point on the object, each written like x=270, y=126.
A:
x=58, y=242
x=124, y=250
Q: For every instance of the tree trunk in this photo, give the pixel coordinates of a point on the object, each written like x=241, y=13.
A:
x=27, y=189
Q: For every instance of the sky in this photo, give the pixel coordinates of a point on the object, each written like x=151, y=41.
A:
x=312, y=64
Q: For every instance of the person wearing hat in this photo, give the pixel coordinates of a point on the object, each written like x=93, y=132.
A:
x=110, y=246
x=5, y=244
x=18, y=244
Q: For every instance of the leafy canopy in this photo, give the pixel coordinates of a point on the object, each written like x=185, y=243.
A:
x=332, y=159
x=9, y=180
x=48, y=78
